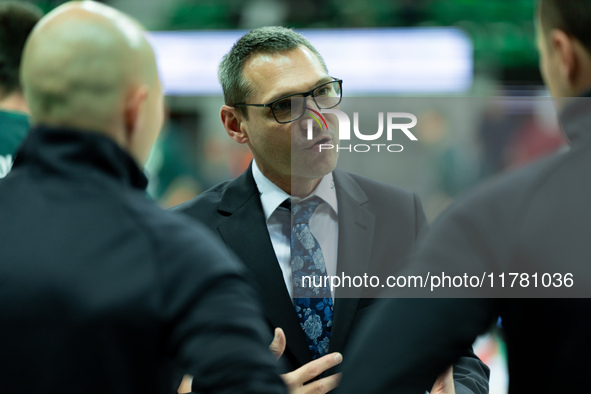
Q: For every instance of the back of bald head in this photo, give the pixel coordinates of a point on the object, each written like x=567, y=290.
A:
x=81, y=64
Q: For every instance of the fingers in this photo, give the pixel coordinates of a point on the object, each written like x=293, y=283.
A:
x=321, y=386
x=185, y=386
x=311, y=370
x=444, y=383
x=277, y=347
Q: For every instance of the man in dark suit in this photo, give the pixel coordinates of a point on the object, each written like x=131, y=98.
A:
x=101, y=291
x=533, y=223
x=358, y=222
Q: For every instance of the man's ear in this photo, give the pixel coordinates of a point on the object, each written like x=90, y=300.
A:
x=563, y=47
x=133, y=111
x=232, y=120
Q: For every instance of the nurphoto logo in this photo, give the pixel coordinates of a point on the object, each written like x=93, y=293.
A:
x=393, y=124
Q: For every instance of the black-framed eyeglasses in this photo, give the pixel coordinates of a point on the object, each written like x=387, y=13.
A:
x=327, y=95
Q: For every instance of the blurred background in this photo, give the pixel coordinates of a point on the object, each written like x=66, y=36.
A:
x=465, y=48
x=380, y=48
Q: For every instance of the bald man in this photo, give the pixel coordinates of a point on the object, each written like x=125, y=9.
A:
x=100, y=290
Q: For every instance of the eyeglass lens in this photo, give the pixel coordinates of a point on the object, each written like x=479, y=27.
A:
x=327, y=95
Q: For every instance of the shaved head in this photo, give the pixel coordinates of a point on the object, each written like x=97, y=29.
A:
x=89, y=66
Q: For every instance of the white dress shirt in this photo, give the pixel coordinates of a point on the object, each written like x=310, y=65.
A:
x=323, y=223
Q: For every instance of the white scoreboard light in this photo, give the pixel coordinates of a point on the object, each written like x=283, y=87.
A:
x=370, y=61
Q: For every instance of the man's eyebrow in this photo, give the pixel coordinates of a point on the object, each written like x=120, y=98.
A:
x=284, y=94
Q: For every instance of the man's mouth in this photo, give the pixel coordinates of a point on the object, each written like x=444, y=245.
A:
x=320, y=141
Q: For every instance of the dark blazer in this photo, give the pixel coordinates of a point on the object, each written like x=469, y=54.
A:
x=101, y=291
x=534, y=223
x=379, y=224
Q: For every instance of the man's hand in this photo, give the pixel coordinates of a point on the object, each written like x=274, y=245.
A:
x=277, y=347
x=444, y=383
x=295, y=380
x=185, y=386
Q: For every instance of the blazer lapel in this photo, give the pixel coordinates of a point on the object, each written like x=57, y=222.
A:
x=245, y=232
x=356, y=228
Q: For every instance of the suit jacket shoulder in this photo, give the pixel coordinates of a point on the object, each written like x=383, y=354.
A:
x=222, y=200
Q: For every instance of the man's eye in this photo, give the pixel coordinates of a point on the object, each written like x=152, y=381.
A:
x=323, y=91
x=283, y=105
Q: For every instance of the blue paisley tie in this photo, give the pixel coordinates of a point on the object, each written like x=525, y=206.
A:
x=313, y=305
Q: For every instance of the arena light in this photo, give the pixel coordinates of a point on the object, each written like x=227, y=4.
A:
x=370, y=61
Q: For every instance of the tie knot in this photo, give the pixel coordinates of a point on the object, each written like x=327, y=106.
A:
x=303, y=211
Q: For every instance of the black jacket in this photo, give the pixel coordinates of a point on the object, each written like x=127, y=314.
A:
x=103, y=292
x=379, y=225
x=532, y=222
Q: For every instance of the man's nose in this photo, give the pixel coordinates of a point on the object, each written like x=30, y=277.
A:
x=311, y=103
x=309, y=108
x=309, y=124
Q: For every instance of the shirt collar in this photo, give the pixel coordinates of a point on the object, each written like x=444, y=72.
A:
x=272, y=195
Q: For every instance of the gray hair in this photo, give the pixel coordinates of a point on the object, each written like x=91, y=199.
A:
x=268, y=40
